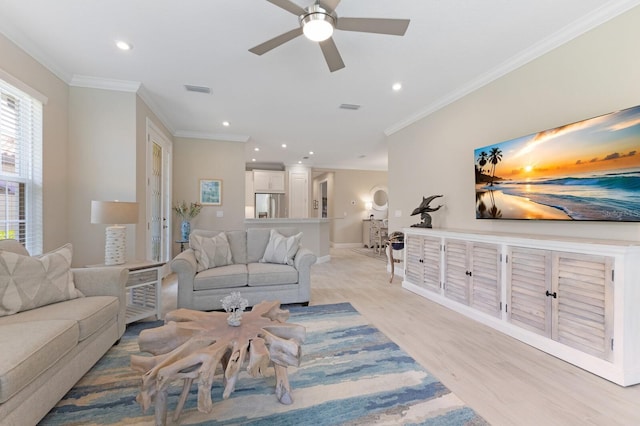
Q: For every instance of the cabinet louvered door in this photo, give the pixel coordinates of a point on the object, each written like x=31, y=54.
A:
x=485, y=280
x=431, y=264
x=529, y=275
x=583, y=308
x=414, y=265
x=456, y=283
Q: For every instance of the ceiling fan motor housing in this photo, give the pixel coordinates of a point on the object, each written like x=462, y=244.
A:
x=314, y=22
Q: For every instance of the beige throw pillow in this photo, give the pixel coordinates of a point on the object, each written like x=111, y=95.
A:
x=28, y=282
x=211, y=251
x=281, y=249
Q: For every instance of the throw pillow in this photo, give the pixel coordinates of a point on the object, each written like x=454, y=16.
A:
x=281, y=249
x=211, y=251
x=28, y=282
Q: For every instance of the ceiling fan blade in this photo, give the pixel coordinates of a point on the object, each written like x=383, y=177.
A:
x=374, y=25
x=288, y=6
x=331, y=54
x=276, y=41
x=329, y=5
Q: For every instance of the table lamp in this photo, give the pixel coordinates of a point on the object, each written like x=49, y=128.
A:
x=115, y=214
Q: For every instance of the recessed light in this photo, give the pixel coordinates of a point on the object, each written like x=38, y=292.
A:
x=123, y=45
x=226, y=123
x=300, y=162
x=256, y=149
x=284, y=145
x=310, y=152
x=253, y=159
x=396, y=86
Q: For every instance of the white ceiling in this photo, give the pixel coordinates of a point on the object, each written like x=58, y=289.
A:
x=288, y=95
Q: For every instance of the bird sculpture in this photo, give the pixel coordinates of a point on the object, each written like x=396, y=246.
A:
x=424, y=211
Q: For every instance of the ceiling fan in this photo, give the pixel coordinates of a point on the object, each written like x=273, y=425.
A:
x=317, y=23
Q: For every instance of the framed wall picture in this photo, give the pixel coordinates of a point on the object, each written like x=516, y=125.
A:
x=211, y=192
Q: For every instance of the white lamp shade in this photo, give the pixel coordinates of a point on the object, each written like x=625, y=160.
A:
x=114, y=212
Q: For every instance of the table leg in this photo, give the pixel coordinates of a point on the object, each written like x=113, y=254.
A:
x=392, y=263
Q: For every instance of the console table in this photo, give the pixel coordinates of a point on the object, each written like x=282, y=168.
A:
x=576, y=299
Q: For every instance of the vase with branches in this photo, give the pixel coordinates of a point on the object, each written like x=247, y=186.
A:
x=186, y=212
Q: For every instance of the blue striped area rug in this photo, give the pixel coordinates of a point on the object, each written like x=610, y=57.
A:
x=350, y=374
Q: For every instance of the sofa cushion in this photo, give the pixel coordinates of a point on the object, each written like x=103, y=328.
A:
x=262, y=274
x=211, y=251
x=281, y=249
x=13, y=246
x=222, y=277
x=91, y=313
x=258, y=238
x=29, y=282
x=29, y=348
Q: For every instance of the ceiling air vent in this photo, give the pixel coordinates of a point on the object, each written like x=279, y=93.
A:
x=198, y=89
x=350, y=106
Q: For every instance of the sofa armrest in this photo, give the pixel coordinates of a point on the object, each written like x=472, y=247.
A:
x=302, y=262
x=104, y=281
x=304, y=259
x=185, y=266
x=101, y=281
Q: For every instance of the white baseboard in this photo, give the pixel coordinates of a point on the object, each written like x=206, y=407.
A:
x=324, y=259
x=345, y=245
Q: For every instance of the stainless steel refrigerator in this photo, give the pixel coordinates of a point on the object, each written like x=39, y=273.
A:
x=270, y=206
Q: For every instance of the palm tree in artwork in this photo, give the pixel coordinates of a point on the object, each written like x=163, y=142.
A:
x=482, y=160
x=495, y=156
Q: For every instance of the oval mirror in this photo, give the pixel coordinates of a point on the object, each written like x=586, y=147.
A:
x=380, y=198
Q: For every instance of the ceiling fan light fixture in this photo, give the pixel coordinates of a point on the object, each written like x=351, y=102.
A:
x=317, y=24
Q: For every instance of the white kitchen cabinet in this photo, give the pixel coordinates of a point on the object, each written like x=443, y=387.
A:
x=573, y=298
x=268, y=181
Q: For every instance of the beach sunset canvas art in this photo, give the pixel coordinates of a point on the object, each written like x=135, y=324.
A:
x=588, y=170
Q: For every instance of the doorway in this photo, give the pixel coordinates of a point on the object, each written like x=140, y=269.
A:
x=158, y=197
x=324, y=200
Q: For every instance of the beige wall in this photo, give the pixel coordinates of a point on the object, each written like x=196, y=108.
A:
x=195, y=159
x=592, y=75
x=349, y=190
x=55, y=134
x=102, y=150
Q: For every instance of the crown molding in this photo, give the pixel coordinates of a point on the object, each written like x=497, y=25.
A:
x=226, y=137
x=147, y=98
x=104, y=83
x=568, y=33
x=10, y=31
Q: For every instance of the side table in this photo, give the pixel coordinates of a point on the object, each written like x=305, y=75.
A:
x=182, y=243
x=144, y=289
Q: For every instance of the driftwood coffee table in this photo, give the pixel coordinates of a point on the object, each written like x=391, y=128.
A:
x=191, y=344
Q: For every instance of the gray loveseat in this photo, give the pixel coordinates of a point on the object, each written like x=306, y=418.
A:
x=256, y=281
x=44, y=351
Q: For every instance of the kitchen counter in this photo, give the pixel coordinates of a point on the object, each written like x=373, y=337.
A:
x=315, y=232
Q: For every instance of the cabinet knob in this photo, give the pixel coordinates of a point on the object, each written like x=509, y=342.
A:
x=468, y=273
x=554, y=294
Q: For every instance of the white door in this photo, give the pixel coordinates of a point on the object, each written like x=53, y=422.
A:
x=158, y=195
x=298, y=195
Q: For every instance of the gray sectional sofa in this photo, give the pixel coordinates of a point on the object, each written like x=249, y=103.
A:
x=44, y=351
x=243, y=271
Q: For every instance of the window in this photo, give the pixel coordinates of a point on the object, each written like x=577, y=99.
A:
x=20, y=167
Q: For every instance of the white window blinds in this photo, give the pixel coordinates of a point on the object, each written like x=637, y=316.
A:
x=20, y=167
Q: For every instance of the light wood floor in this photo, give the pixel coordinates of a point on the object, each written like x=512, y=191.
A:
x=505, y=381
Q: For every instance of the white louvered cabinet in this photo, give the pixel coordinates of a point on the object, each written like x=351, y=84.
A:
x=567, y=297
x=472, y=274
x=423, y=254
x=575, y=299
